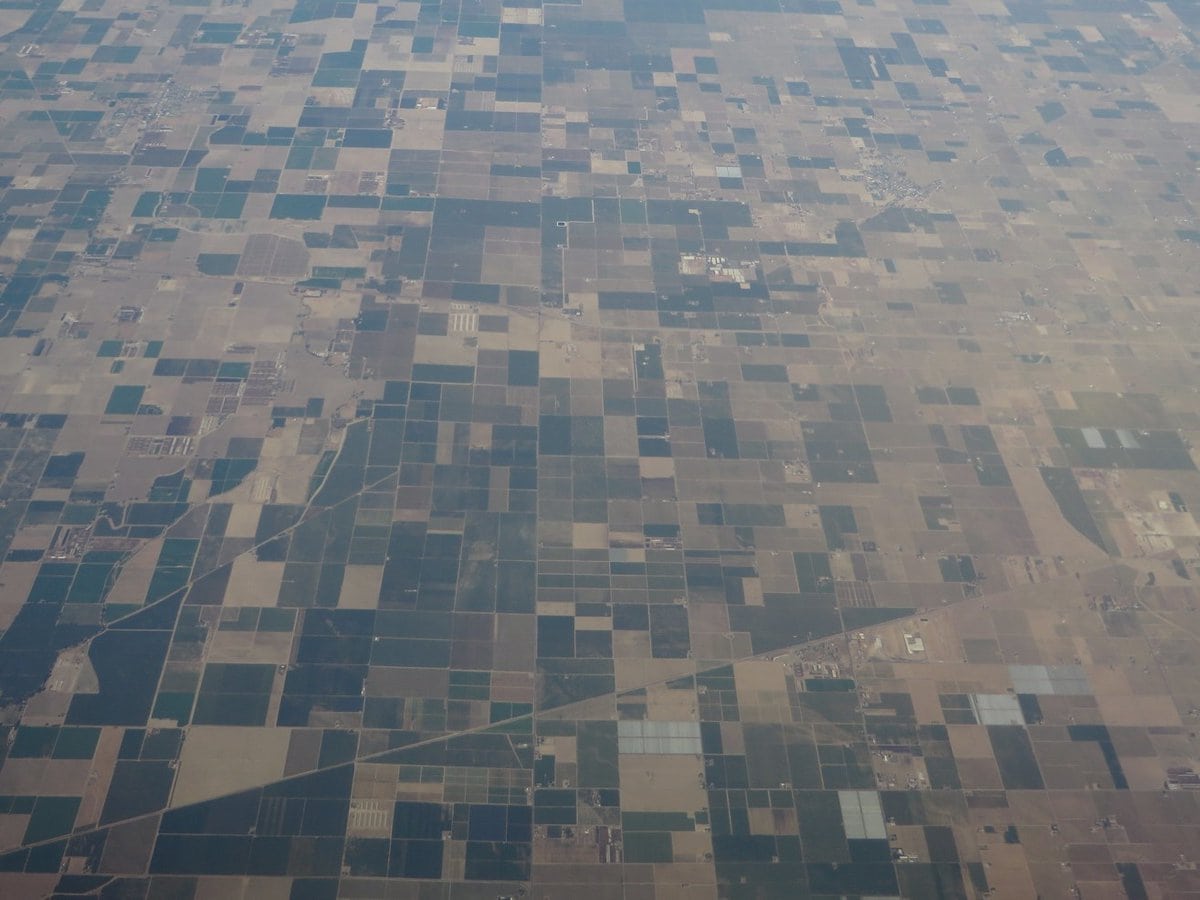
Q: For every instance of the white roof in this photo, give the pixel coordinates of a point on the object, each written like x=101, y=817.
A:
x=862, y=815
x=997, y=709
x=639, y=736
x=1049, y=679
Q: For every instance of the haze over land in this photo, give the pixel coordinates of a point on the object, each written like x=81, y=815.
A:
x=627, y=450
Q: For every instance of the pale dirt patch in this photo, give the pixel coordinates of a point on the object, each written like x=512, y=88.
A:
x=360, y=587
x=253, y=583
x=668, y=783
x=219, y=760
